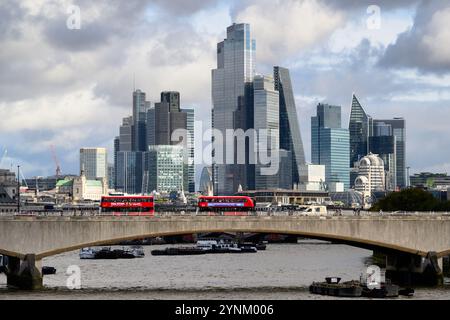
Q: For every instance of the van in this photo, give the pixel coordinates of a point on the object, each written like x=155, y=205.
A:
x=314, y=211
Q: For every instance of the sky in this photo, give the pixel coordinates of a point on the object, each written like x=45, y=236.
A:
x=70, y=87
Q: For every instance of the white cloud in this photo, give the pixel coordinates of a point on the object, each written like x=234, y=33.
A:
x=284, y=28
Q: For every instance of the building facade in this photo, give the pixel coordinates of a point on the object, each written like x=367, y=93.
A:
x=94, y=163
x=235, y=68
x=266, y=125
x=290, y=136
x=189, y=175
x=371, y=175
x=360, y=130
x=165, y=166
x=330, y=144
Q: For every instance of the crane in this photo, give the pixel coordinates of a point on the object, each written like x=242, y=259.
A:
x=55, y=159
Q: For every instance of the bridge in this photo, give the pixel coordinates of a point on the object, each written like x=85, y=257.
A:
x=27, y=240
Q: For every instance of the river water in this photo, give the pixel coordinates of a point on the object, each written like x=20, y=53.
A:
x=283, y=271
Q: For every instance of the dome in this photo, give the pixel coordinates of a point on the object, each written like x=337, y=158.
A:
x=371, y=160
x=361, y=180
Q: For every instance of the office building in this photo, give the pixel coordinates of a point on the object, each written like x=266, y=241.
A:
x=189, y=184
x=312, y=177
x=93, y=162
x=129, y=171
x=266, y=125
x=235, y=68
x=371, y=175
x=330, y=144
x=290, y=136
x=395, y=128
x=360, y=130
x=165, y=166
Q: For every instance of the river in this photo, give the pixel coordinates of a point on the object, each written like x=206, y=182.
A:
x=283, y=271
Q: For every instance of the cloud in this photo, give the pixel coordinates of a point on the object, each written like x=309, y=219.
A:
x=425, y=46
x=284, y=28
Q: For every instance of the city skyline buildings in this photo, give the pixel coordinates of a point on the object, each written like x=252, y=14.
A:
x=96, y=89
x=386, y=138
x=330, y=145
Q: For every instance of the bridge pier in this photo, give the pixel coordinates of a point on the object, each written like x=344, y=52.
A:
x=407, y=269
x=24, y=274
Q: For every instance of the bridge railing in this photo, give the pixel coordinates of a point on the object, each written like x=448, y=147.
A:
x=331, y=213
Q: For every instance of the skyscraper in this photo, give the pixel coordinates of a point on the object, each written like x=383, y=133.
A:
x=395, y=128
x=165, y=167
x=235, y=68
x=360, y=130
x=190, y=172
x=266, y=117
x=168, y=118
x=330, y=144
x=129, y=171
x=386, y=138
x=93, y=162
x=290, y=136
x=140, y=107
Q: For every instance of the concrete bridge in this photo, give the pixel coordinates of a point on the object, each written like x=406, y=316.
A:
x=26, y=240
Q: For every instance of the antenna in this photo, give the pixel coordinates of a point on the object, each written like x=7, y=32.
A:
x=134, y=81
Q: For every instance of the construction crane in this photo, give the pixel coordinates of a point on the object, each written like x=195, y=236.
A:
x=55, y=159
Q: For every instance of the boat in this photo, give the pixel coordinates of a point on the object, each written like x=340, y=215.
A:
x=106, y=253
x=333, y=287
x=183, y=251
x=251, y=247
x=219, y=246
x=137, y=251
x=88, y=253
x=386, y=290
x=48, y=270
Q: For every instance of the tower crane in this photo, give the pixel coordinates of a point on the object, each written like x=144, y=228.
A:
x=55, y=159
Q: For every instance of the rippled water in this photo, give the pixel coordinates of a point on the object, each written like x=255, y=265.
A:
x=283, y=271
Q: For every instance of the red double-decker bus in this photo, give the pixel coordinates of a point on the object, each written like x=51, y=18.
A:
x=226, y=203
x=127, y=205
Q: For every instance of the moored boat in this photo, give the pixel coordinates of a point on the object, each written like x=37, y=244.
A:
x=333, y=287
x=178, y=252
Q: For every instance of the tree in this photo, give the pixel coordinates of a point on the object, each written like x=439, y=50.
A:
x=411, y=200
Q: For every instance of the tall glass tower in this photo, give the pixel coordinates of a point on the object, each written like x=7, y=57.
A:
x=290, y=136
x=330, y=144
x=396, y=129
x=359, y=127
x=235, y=68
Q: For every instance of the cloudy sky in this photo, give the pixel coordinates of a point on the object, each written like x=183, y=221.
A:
x=70, y=88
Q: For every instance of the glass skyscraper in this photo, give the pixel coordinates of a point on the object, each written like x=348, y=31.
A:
x=387, y=138
x=359, y=127
x=395, y=128
x=235, y=68
x=266, y=117
x=165, y=167
x=94, y=163
x=330, y=144
x=290, y=136
x=189, y=162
